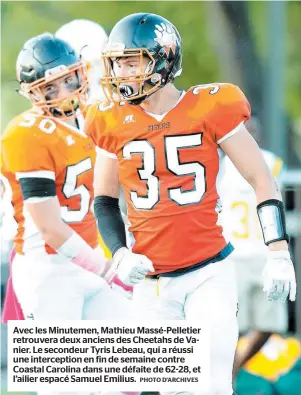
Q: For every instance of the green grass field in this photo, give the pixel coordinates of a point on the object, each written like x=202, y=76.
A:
x=14, y=393
x=17, y=393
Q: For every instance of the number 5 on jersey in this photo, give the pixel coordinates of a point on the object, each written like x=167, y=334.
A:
x=70, y=189
x=172, y=145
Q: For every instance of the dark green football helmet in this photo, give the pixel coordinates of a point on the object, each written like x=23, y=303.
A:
x=46, y=58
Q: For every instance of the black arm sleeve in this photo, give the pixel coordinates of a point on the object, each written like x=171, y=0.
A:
x=110, y=223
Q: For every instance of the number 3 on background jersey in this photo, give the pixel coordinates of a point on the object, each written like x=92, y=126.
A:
x=247, y=215
x=244, y=220
x=146, y=173
x=213, y=89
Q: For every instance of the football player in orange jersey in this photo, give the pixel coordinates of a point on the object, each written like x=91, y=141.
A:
x=48, y=161
x=90, y=45
x=161, y=145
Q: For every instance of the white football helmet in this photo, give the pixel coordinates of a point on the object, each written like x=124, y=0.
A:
x=88, y=38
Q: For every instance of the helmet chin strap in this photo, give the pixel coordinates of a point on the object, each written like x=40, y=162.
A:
x=127, y=91
x=59, y=113
x=72, y=102
x=136, y=102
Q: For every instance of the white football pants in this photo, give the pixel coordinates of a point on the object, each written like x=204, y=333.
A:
x=209, y=294
x=50, y=287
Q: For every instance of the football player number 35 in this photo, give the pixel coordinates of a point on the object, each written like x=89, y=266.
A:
x=147, y=172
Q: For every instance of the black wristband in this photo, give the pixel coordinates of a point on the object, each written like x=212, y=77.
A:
x=110, y=223
x=272, y=220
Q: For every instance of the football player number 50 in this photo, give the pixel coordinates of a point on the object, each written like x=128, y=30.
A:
x=147, y=172
x=70, y=188
x=46, y=125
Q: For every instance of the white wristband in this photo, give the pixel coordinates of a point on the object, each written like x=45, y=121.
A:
x=119, y=254
x=76, y=249
x=73, y=246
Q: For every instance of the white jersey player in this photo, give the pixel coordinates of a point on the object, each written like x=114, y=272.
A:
x=88, y=38
x=241, y=226
x=239, y=216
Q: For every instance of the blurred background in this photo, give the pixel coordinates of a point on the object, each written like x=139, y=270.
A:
x=255, y=45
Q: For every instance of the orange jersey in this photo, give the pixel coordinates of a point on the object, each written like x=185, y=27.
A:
x=33, y=146
x=168, y=169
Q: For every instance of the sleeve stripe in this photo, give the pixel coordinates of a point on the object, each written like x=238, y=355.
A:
x=37, y=187
x=38, y=199
x=106, y=153
x=36, y=174
x=230, y=134
x=277, y=167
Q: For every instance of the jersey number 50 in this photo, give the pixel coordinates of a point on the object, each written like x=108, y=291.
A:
x=172, y=145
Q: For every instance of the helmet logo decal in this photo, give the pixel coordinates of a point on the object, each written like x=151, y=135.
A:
x=166, y=37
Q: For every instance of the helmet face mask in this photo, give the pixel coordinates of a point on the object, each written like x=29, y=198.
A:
x=129, y=87
x=52, y=76
x=143, y=36
x=63, y=106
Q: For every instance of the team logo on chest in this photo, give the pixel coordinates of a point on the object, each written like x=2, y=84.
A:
x=160, y=126
x=129, y=118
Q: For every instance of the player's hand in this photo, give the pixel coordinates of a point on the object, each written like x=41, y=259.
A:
x=130, y=268
x=279, y=280
x=114, y=281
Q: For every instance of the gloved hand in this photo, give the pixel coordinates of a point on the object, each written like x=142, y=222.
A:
x=128, y=267
x=279, y=280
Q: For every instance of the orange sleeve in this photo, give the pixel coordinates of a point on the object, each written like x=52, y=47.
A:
x=97, y=128
x=231, y=109
x=26, y=149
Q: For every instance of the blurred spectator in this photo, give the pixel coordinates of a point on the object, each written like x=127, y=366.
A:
x=89, y=39
x=241, y=226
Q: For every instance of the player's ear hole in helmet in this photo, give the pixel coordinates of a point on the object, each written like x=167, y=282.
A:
x=52, y=75
x=152, y=41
